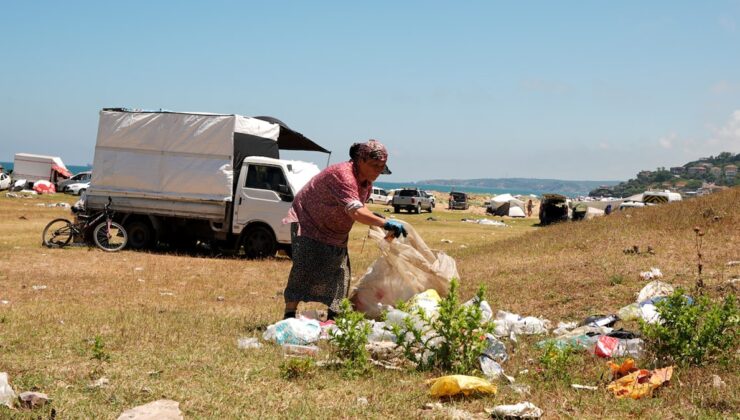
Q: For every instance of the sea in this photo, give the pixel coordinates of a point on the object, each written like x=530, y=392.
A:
x=385, y=185
x=7, y=166
x=465, y=189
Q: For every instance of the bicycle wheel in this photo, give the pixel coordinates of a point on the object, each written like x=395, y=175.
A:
x=111, y=240
x=57, y=233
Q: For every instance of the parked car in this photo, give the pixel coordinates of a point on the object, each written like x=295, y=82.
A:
x=4, y=181
x=80, y=177
x=77, y=188
x=379, y=196
x=412, y=200
x=431, y=197
x=458, y=201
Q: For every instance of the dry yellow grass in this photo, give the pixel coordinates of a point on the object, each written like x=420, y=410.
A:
x=168, y=336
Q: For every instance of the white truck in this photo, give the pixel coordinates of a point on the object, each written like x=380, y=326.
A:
x=32, y=168
x=183, y=178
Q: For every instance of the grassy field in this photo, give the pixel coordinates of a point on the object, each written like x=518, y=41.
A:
x=163, y=332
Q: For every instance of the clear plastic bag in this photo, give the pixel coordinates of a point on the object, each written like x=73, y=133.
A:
x=407, y=266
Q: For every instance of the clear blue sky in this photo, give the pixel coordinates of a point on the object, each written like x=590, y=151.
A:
x=551, y=89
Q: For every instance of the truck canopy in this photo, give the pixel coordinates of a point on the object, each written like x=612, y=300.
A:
x=35, y=167
x=183, y=156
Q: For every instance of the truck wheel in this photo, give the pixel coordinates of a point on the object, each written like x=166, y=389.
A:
x=430, y=208
x=396, y=209
x=370, y=201
x=417, y=210
x=259, y=242
x=140, y=235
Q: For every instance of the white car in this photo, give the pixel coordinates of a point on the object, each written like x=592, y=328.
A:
x=4, y=181
x=379, y=196
x=77, y=188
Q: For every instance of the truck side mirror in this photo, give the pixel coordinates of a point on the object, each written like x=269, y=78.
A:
x=285, y=193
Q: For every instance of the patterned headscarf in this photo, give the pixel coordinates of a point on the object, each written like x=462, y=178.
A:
x=371, y=149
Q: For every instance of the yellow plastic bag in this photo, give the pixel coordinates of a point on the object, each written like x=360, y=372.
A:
x=447, y=386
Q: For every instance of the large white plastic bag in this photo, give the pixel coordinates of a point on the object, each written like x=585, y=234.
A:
x=406, y=266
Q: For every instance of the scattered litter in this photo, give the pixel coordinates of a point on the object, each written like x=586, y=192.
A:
x=140, y=280
x=733, y=263
x=600, y=321
x=293, y=331
x=492, y=369
x=139, y=269
x=654, y=289
x=427, y=302
x=520, y=389
x=463, y=246
x=447, y=386
x=166, y=294
x=509, y=324
x=431, y=219
x=446, y=241
x=640, y=383
x=220, y=298
x=586, y=387
x=717, y=382
x=5, y=302
x=160, y=409
x=296, y=350
x=100, y=383
x=630, y=312
x=362, y=401
x=31, y=399
x=614, y=347
x=7, y=395
x=38, y=287
x=654, y=273
x=523, y=410
x=564, y=327
x=248, y=343
x=496, y=350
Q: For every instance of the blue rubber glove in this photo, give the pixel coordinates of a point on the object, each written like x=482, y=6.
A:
x=396, y=227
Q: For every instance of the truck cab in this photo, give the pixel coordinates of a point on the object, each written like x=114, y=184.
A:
x=265, y=192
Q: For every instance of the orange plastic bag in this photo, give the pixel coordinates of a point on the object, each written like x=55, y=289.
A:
x=640, y=383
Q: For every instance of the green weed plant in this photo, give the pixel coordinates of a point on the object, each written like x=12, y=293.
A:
x=450, y=341
x=693, y=333
x=350, y=338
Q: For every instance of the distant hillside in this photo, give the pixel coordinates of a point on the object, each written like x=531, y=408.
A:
x=704, y=173
x=571, y=188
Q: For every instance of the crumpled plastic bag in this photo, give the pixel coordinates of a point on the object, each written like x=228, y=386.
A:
x=509, y=324
x=7, y=395
x=299, y=331
x=640, y=383
x=654, y=273
x=406, y=266
x=523, y=410
x=447, y=386
x=654, y=289
x=427, y=301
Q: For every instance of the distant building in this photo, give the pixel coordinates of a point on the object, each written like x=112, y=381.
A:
x=730, y=172
x=716, y=171
x=706, y=165
x=678, y=170
x=697, y=170
x=644, y=174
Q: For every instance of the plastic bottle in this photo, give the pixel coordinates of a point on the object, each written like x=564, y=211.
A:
x=295, y=350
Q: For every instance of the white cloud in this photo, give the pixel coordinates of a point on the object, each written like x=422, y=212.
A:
x=728, y=136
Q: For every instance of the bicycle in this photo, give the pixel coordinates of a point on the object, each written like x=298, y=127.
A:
x=107, y=234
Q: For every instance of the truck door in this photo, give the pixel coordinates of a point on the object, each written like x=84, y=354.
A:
x=264, y=196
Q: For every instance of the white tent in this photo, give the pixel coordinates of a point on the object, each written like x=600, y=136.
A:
x=506, y=205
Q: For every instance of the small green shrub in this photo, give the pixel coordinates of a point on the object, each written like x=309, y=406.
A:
x=693, y=333
x=555, y=361
x=350, y=338
x=616, y=279
x=98, y=349
x=297, y=367
x=451, y=341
